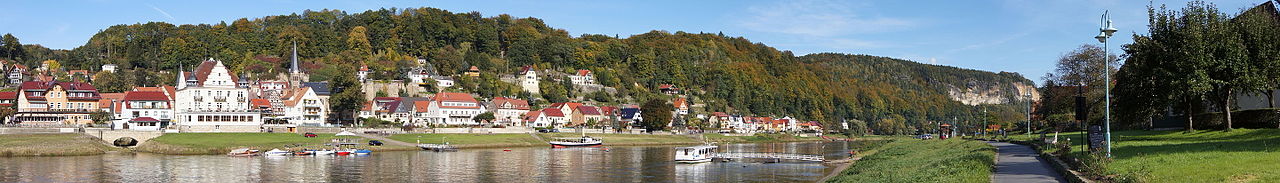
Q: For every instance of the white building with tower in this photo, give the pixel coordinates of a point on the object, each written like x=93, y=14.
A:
x=209, y=100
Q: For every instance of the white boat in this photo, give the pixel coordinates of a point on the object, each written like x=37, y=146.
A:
x=277, y=152
x=695, y=154
x=322, y=152
x=584, y=141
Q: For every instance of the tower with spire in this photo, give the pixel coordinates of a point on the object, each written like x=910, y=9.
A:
x=296, y=76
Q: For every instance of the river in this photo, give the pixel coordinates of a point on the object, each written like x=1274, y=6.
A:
x=531, y=164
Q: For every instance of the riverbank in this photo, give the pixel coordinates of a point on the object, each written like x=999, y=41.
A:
x=1242, y=155
x=913, y=160
x=51, y=144
x=764, y=138
x=221, y=143
x=472, y=140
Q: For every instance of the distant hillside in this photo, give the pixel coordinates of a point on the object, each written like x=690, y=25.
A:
x=724, y=73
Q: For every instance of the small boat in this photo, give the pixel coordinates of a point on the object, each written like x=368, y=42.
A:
x=276, y=152
x=322, y=152
x=243, y=152
x=584, y=141
x=304, y=153
x=363, y=152
x=695, y=154
x=346, y=152
x=438, y=147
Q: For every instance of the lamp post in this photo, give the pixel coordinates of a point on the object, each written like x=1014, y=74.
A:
x=1028, y=114
x=1105, y=32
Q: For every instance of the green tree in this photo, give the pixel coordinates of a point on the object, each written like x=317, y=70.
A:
x=358, y=41
x=656, y=114
x=347, y=95
x=483, y=118
x=11, y=48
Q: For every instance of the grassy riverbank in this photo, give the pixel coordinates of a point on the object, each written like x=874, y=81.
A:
x=221, y=143
x=53, y=144
x=911, y=160
x=1242, y=155
x=472, y=140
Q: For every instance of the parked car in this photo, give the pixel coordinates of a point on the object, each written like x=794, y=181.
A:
x=549, y=130
x=309, y=135
x=375, y=143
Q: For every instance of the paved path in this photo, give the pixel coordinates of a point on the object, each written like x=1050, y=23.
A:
x=387, y=140
x=1019, y=163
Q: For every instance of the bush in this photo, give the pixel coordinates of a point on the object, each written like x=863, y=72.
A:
x=1254, y=118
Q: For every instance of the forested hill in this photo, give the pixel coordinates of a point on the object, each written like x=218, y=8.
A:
x=725, y=73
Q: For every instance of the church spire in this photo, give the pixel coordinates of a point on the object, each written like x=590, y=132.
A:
x=182, y=79
x=293, y=67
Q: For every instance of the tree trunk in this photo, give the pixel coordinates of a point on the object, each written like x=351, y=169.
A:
x=1226, y=109
x=1190, y=116
x=1271, y=99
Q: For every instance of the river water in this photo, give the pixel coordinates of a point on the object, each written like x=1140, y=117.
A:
x=532, y=164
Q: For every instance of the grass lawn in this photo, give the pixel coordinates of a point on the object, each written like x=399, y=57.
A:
x=759, y=138
x=629, y=139
x=53, y=144
x=1242, y=155
x=220, y=143
x=471, y=140
x=910, y=160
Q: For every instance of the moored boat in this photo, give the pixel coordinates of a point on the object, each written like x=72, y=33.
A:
x=363, y=152
x=695, y=154
x=243, y=152
x=437, y=147
x=584, y=141
x=276, y=152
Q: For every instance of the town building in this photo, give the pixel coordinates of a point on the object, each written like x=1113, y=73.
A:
x=681, y=105
x=457, y=108
x=472, y=72
x=209, y=100
x=66, y=103
x=583, y=77
x=546, y=118
x=144, y=110
x=586, y=116
x=507, y=111
x=17, y=74
x=109, y=67
x=363, y=73
x=8, y=99
x=303, y=107
x=528, y=79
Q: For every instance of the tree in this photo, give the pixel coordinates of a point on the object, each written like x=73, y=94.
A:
x=101, y=117
x=11, y=48
x=347, y=97
x=656, y=114
x=358, y=41
x=485, y=117
x=856, y=128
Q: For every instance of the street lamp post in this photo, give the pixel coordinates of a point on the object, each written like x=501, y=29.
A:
x=1105, y=32
x=1028, y=114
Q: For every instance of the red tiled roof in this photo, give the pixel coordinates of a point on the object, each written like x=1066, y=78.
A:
x=474, y=69
x=720, y=114
x=515, y=103
x=553, y=112
x=679, y=102
x=607, y=111
x=570, y=105
x=8, y=95
x=526, y=69
x=364, y=67
x=531, y=116
x=206, y=67
x=666, y=86
x=588, y=110
x=456, y=97
x=368, y=106
x=421, y=105
x=144, y=119
x=583, y=72
x=260, y=103
x=145, y=96
x=29, y=85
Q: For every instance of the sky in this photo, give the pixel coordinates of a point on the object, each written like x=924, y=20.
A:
x=1023, y=36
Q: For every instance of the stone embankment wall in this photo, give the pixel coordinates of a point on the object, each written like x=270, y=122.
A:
x=392, y=88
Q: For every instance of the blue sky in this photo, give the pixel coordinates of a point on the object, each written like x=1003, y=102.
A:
x=997, y=35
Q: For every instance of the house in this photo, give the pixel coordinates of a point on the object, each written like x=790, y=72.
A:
x=668, y=89
x=81, y=74
x=528, y=79
x=507, y=111
x=303, y=107
x=209, y=99
x=554, y=118
x=52, y=102
x=583, y=77
x=585, y=115
x=472, y=72
x=443, y=82
x=810, y=126
x=363, y=73
x=681, y=105
x=17, y=74
x=422, y=115
x=419, y=76
x=535, y=119
x=630, y=116
x=565, y=107
x=109, y=67
x=457, y=108
x=8, y=99
x=381, y=108
x=144, y=110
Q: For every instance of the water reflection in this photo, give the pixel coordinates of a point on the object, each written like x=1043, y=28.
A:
x=617, y=164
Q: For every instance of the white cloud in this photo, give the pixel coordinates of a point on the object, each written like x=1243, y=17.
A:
x=817, y=18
